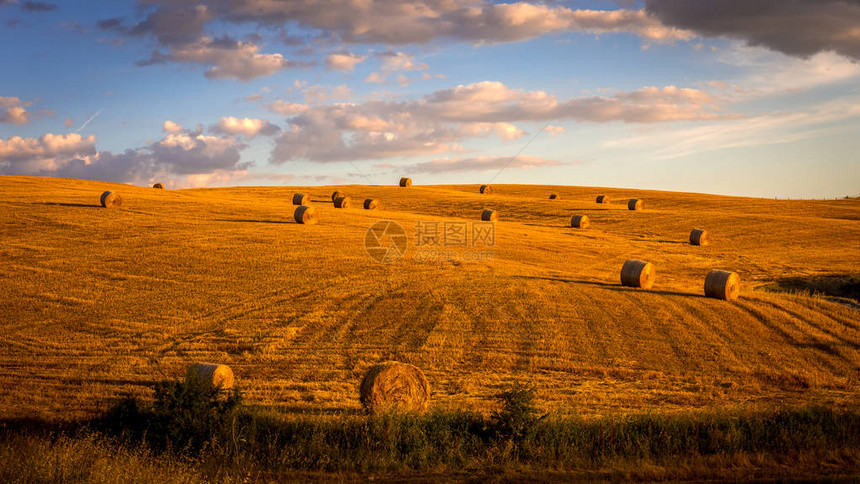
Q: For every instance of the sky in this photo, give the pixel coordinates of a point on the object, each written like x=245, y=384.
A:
x=754, y=99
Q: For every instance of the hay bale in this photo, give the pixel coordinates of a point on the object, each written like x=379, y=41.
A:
x=300, y=199
x=637, y=273
x=723, y=285
x=405, y=182
x=602, y=199
x=370, y=204
x=342, y=202
x=305, y=215
x=335, y=195
x=580, y=221
x=489, y=215
x=111, y=200
x=486, y=189
x=635, y=204
x=394, y=386
x=555, y=196
x=215, y=375
x=700, y=237
x=158, y=185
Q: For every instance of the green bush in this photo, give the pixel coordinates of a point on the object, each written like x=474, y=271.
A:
x=518, y=415
x=189, y=419
x=187, y=416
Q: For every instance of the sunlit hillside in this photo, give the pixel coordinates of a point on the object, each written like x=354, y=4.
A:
x=97, y=303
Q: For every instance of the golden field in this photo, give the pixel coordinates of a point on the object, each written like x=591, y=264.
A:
x=98, y=303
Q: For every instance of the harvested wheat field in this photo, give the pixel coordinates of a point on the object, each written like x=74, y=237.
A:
x=100, y=303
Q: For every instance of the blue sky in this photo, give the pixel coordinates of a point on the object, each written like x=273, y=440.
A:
x=756, y=102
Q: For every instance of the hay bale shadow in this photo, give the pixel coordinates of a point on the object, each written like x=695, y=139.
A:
x=57, y=204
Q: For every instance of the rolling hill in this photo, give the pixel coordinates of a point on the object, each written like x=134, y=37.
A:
x=97, y=303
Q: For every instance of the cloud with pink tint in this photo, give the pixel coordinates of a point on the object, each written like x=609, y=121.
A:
x=479, y=163
x=770, y=74
x=394, y=61
x=180, y=29
x=287, y=108
x=399, y=61
x=182, y=153
x=171, y=127
x=763, y=130
x=443, y=120
x=192, y=152
x=504, y=131
x=319, y=93
x=554, y=130
x=248, y=127
x=343, y=61
x=31, y=156
x=493, y=101
x=395, y=22
x=237, y=177
x=13, y=111
x=375, y=78
x=225, y=58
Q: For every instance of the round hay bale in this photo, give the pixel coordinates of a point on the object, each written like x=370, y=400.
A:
x=158, y=185
x=486, y=189
x=405, y=182
x=580, y=221
x=215, y=375
x=637, y=273
x=335, y=195
x=300, y=199
x=723, y=285
x=635, y=204
x=111, y=200
x=394, y=386
x=700, y=237
x=370, y=204
x=342, y=202
x=305, y=215
x=602, y=199
x=555, y=196
x=489, y=215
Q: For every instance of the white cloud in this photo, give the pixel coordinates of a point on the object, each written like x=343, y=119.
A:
x=505, y=131
x=439, y=122
x=247, y=127
x=375, y=77
x=288, y=108
x=554, y=130
x=180, y=29
x=765, y=73
x=489, y=101
x=171, y=127
x=396, y=22
x=26, y=156
x=343, y=61
x=12, y=111
x=479, y=163
x=179, y=154
x=226, y=58
x=400, y=61
x=767, y=129
x=319, y=93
